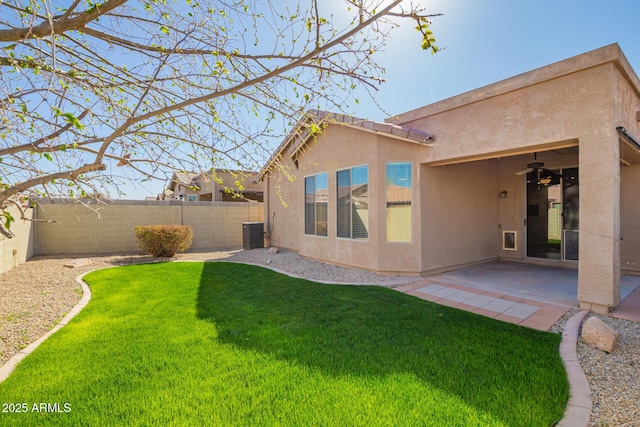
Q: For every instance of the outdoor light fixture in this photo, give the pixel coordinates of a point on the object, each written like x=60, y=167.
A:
x=546, y=180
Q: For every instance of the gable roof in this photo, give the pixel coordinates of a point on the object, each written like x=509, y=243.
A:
x=190, y=179
x=187, y=178
x=313, y=121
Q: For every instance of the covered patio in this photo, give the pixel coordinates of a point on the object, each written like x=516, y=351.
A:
x=539, y=162
x=527, y=294
x=556, y=285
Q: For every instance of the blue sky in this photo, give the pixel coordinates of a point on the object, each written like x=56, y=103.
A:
x=485, y=41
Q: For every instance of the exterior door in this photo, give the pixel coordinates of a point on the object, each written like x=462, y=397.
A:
x=552, y=214
x=571, y=213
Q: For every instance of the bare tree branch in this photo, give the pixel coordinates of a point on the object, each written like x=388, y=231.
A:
x=64, y=24
x=153, y=87
x=34, y=146
x=68, y=175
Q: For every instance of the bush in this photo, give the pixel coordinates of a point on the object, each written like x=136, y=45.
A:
x=163, y=240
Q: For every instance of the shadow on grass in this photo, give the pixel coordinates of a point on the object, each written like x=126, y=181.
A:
x=373, y=331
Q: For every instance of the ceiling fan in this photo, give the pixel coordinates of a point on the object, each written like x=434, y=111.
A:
x=531, y=167
x=537, y=170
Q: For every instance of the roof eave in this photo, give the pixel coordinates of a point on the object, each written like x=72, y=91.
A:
x=325, y=118
x=426, y=141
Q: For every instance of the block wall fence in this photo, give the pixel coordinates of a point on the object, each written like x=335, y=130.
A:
x=21, y=247
x=109, y=228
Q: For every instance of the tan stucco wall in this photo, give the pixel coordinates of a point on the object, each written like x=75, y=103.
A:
x=181, y=190
x=460, y=215
x=627, y=104
x=21, y=247
x=248, y=183
x=630, y=224
x=396, y=257
x=576, y=101
x=566, y=112
x=78, y=230
x=208, y=186
x=522, y=120
x=570, y=109
x=512, y=208
x=339, y=148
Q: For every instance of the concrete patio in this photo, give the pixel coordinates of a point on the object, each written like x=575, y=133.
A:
x=529, y=295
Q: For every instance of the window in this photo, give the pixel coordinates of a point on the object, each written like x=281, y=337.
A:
x=399, y=194
x=191, y=198
x=353, y=203
x=316, y=198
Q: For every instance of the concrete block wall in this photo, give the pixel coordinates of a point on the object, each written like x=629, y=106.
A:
x=21, y=247
x=109, y=228
x=219, y=224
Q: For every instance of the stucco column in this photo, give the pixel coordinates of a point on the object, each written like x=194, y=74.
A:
x=599, y=258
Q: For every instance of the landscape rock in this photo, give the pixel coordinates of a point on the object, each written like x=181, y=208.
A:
x=598, y=334
x=273, y=250
x=80, y=262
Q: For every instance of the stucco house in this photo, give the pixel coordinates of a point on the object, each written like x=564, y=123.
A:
x=219, y=185
x=543, y=167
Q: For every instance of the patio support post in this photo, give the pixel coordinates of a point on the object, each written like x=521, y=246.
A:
x=599, y=258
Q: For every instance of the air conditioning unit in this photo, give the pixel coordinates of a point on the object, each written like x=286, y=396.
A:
x=252, y=235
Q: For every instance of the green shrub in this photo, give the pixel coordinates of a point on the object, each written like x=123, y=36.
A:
x=163, y=240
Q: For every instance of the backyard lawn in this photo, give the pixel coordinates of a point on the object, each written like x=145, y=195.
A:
x=228, y=344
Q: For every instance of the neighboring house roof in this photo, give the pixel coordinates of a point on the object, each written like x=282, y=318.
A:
x=313, y=121
x=188, y=179
x=194, y=179
x=322, y=195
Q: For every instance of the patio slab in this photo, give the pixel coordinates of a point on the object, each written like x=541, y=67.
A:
x=555, y=285
x=499, y=305
x=529, y=295
x=629, y=307
x=529, y=313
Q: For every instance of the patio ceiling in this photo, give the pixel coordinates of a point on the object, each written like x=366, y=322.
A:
x=571, y=144
x=629, y=148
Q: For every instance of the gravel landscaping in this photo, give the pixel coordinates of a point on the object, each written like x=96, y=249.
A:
x=614, y=378
x=35, y=295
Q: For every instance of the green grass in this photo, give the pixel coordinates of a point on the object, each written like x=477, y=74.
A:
x=225, y=344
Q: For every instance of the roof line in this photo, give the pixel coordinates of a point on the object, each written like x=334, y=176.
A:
x=608, y=54
x=303, y=131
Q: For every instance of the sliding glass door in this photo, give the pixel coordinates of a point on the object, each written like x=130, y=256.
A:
x=570, y=214
x=552, y=214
